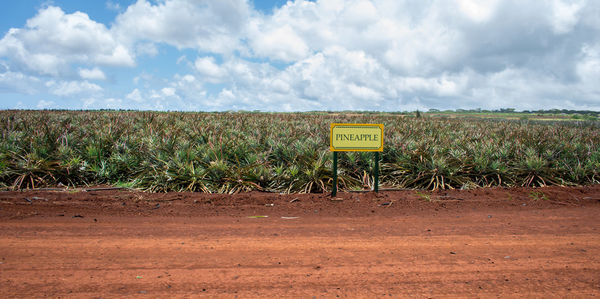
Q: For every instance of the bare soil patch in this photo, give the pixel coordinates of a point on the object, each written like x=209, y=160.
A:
x=111, y=243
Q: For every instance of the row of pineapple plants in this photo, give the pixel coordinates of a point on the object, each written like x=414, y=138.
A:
x=234, y=152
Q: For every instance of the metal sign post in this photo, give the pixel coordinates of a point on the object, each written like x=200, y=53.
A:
x=355, y=138
x=376, y=187
x=334, y=187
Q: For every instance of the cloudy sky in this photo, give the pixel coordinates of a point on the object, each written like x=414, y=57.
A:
x=386, y=55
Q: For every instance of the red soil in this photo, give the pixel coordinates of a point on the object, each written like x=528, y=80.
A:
x=542, y=242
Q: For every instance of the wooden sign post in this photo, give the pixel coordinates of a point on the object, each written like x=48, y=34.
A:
x=355, y=138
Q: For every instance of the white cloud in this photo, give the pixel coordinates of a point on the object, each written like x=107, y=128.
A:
x=279, y=43
x=144, y=78
x=113, y=6
x=478, y=10
x=112, y=103
x=406, y=38
x=168, y=91
x=317, y=82
x=44, y=104
x=88, y=103
x=360, y=13
x=148, y=49
x=204, y=25
x=18, y=82
x=208, y=67
x=439, y=54
x=565, y=15
x=182, y=59
x=107, y=103
x=52, y=40
x=321, y=55
x=363, y=92
x=181, y=93
x=135, y=95
x=71, y=88
x=119, y=56
x=92, y=74
x=188, y=78
x=20, y=105
x=588, y=71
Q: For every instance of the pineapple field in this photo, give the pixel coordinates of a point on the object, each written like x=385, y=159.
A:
x=288, y=152
x=88, y=208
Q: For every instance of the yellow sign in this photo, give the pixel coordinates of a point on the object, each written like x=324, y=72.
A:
x=356, y=138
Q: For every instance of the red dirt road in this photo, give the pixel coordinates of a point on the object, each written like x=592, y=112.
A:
x=502, y=242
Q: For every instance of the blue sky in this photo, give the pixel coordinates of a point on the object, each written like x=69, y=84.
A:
x=214, y=55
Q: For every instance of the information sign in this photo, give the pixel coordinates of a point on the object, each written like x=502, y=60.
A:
x=356, y=138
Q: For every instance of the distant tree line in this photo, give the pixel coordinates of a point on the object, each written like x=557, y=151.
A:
x=366, y=112
x=513, y=110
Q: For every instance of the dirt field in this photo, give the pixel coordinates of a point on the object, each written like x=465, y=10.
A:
x=541, y=242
